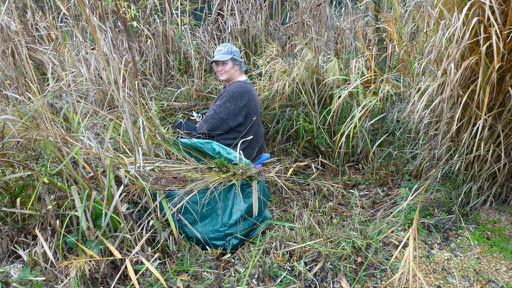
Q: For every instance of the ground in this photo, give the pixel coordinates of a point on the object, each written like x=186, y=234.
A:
x=478, y=256
x=336, y=235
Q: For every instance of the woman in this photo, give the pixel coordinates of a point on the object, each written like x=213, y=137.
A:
x=234, y=116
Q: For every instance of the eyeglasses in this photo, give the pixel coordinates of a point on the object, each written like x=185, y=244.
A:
x=222, y=64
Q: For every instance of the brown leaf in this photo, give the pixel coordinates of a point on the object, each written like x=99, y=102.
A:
x=278, y=259
x=343, y=281
x=318, y=266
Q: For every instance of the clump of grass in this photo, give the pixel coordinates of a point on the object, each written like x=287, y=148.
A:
x=460, y=103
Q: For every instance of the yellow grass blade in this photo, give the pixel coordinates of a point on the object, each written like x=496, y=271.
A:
x=111, y=248
x=87, y=250
x=45, y=246
x=154, y=271
x=132, y=273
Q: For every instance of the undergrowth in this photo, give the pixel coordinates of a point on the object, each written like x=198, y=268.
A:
x=356, y=97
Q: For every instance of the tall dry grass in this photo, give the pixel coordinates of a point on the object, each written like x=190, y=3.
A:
x=82, y=143
x=85, y=134
x=460, y=98
x=90, y=88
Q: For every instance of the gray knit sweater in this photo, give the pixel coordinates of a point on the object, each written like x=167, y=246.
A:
x=233, y=117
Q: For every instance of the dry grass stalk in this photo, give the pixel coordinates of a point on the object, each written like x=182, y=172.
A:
x=408, y=273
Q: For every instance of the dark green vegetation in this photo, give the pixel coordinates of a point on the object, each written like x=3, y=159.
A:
x=371, y=109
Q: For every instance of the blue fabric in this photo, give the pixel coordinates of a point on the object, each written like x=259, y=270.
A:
x=262, y=159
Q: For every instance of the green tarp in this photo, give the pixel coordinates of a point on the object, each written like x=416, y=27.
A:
x=219, y=217
x=199, y=148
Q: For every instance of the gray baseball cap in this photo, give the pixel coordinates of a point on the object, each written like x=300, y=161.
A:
x=226, y=51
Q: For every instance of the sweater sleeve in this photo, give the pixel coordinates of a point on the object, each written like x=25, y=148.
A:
x=226, y=113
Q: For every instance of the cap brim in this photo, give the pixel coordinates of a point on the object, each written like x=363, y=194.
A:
x=221, y=58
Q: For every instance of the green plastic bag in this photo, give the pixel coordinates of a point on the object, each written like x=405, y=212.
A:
x=220, y=217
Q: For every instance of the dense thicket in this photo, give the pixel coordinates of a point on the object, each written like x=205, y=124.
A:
x=89, y=89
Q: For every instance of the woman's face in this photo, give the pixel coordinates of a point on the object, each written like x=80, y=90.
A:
x=226, y=71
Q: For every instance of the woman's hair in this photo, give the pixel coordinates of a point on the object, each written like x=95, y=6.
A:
x=239, y=62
